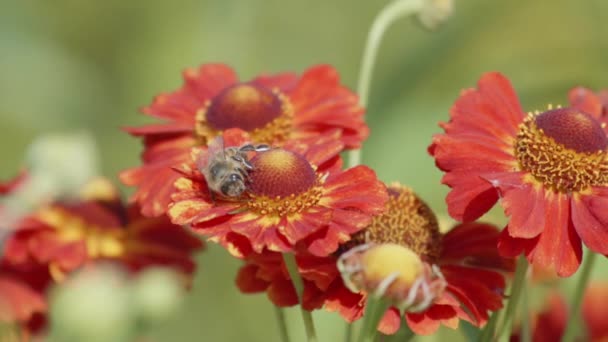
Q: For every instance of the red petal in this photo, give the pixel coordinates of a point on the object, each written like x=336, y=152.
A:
x=356, y=188
x=590, y=219
x=282, y=293
x=390, y=322
x=427, y=323
x=559, y=245
x=509, y=246
x=321, y=102
x=470, y=197
x=594, y=311
x=208, y=80
x=524, y=203
x=248, y=282
x=474, y=244
x=283, y=81
x=585, y=100
x=19, y=302
x=348, y=304
x=493, y=109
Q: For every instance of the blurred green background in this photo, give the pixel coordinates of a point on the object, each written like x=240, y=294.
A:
x=89, y=65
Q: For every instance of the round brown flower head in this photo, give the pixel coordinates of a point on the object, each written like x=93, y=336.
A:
x=549, y=169
x=272, y=109
x=466, y=257
x=296, y=193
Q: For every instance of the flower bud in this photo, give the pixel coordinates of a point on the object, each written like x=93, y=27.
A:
x=435, y=12
x=392, y=272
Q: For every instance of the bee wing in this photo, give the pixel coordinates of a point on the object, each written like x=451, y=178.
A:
x=206, y=156
x=216, y=146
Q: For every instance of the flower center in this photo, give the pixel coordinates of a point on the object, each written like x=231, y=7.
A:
x=282, y=182
x=105, y=242
x=266, y=114
x=564, y=149
x=408, y=222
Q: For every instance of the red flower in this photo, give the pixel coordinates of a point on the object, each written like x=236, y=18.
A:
x=66, y=235
x=594, y=310
x=550, y=323
x=549, y=169
x=273, y=109
x=465, y=256
x=295, y=193
x=60, y=237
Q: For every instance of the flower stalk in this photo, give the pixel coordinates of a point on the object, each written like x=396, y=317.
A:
x=280, y=314
x=575, y=305
x=387, y=16
x=298, y=284
x=504, y=329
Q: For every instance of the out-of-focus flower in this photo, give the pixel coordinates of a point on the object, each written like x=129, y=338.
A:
x=58, y=166
x=550, y=170
x=594, y=309
x=102, y=303
x=549, y=324
x=295, y=193
x=435, y=12
x=466, y=257
x=94, y=305
x=66, y=235
x=58, y=238
x=272, y=109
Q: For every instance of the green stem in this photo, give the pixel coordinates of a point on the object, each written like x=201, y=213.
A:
x=526, y=333
x=348, y=332
x=518, y=282
x=388, y=15
x=298, y=284
x=281, y=323
x=488, y=331
x=575, y=305
x=374, y=311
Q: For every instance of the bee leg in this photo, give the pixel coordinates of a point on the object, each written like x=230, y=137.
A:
x=262, y=148
x=212, y=196
x=247, y=148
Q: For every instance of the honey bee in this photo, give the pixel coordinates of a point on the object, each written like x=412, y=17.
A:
x=226, y=170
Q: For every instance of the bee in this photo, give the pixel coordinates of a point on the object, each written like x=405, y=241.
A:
x=226, y=170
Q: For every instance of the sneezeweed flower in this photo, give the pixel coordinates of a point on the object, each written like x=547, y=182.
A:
x=466, y=257
x=550, y=170
x=47, y=245
x=272, y=109
x=67, y=235
x=393, y=273
x=294, y=194
x=549, y=323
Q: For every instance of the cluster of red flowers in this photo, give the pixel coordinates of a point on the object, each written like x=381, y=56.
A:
x=297, y=197
x=255, y=166
x=47, y=245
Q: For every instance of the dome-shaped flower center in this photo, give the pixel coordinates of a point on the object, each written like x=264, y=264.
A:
x=564, y=149
x=282, y=182
x=265, y=113
x=408, y=222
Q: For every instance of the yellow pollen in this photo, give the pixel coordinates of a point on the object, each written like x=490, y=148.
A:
x=408, y=222
x=108, y=242
x=287, y=205
x=555, y=166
